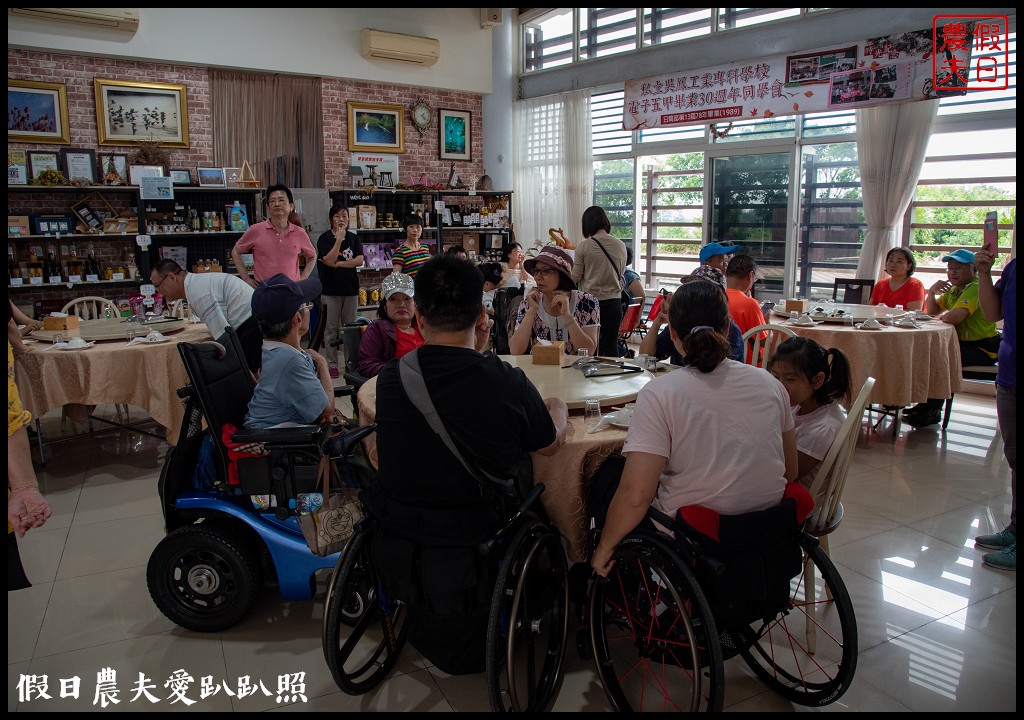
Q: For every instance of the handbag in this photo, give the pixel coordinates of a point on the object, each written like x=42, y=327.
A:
x=328, y=528
x=626, y=297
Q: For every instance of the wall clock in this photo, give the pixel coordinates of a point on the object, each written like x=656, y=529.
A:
x=422, y=115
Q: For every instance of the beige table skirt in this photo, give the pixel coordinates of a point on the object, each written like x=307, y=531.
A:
x=144, y=375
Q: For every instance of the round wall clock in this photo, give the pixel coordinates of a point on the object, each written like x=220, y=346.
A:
x=422, y=115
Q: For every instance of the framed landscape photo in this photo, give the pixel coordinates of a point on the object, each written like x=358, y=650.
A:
x=181, y=176
x=39, y=161
x=210, y=177
x=79, y=164
x=455, y=140
x=114, y=168
x=132, y=112
x=373, y=127
x=37, y=112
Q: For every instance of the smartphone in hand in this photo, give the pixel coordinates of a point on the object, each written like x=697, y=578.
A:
x=990, y=236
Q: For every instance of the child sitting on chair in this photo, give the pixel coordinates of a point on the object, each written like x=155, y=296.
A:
x=815, y=384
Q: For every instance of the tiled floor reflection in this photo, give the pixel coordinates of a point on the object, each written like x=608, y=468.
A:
x=937, y=628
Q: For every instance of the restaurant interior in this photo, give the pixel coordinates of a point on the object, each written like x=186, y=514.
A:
x=936, y=627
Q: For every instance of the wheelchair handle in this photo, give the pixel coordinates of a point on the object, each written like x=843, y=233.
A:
x=485, y=547
x=184, y=392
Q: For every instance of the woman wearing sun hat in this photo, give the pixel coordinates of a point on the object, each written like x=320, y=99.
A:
x=395, y=332
x=555, y=309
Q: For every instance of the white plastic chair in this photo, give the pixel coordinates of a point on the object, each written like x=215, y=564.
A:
x=827, y=491
x=753, y=342
x=177, y=309
x=91, y=307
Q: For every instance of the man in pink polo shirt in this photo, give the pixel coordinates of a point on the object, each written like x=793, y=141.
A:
x=276, y=243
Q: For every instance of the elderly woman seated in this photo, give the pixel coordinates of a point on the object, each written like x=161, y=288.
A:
x=395, y=332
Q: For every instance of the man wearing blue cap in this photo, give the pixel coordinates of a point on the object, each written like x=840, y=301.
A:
x=717, y=255
x=957, y=304
x=295, y=384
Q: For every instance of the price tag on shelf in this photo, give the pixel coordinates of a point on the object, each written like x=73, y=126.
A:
x=439, y=205
x=74, y=278
x=143, y=241
x=56, y=279
x=17, y=282
x=35, y=280
x=118, y=276
x=92, y=278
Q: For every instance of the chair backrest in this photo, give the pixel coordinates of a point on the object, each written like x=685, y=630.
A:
x=655, y=306
x=316, y=335
x=221, y=383
x=830, y=479
x=855, y=291
x=505, y=305
x=630, y=318
x=351, y=336
x=761, y=340
x=177, y=309
x=91, y=307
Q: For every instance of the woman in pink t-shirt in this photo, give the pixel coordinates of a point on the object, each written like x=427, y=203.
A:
x=899, y=288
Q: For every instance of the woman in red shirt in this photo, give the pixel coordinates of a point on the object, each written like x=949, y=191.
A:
x=899, y=288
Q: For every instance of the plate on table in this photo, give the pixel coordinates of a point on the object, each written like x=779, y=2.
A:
x=65, y=346
x=861, y=326
x=619, y=423
x=147, y=340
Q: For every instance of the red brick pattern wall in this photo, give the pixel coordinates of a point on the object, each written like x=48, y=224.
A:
x=78, y=72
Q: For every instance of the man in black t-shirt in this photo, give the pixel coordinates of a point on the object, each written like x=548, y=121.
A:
x=431, y=510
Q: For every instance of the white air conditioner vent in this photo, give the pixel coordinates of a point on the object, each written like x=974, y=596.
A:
x=126, y=19
x=380, y=45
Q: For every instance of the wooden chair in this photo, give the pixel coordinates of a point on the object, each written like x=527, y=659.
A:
x=827, y=489
x=177, y=310
x=855, y=291
x=758, y=349
x=91, y=307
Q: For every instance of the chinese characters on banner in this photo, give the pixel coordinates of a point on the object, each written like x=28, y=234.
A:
x=291, y=688
x=893, y=68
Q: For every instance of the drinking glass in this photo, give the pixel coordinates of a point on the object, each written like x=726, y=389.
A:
x=130, y=332
x=592, y=412
x=793, y=315
x=58, y=338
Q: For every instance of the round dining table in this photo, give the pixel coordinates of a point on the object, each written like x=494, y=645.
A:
x=109, y=371
x=566, y=474
x=909, y=364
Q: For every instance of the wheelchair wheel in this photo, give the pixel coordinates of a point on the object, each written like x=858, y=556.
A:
x=204, y=579
x=528, y=623
x=655, y=641
x=363, y=634
x=781, y=652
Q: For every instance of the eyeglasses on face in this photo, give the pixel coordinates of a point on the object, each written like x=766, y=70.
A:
x=306, y=306
x=542, y=271
x=161, y=281
x=277, y=201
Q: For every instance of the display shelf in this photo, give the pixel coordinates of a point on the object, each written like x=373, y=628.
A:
x=67, y=285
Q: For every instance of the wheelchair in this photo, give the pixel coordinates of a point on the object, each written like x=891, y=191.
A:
x=675, y=607
x=364, y=629
x=232, y=525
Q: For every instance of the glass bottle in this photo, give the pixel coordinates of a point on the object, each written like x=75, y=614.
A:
x=13, y=269
x=53, y=269
x=91, y=266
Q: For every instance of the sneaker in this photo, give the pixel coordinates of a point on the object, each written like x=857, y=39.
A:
x=334, y=371
x=1003, y=538
x=1005, y=559
x=925, y=418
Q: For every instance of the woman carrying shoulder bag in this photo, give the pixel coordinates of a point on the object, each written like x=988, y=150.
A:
x=599, y=264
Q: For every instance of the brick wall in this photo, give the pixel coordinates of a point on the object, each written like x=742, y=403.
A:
x=78, y=72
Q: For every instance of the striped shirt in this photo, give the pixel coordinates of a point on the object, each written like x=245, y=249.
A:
x=409, y=260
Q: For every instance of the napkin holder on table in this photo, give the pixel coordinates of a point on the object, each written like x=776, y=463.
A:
x=798, y=304
x=67, y=324
x=550, y=353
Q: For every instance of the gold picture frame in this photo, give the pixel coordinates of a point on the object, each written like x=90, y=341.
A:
x=130, y=113
x=373, y=127
x=46, y=119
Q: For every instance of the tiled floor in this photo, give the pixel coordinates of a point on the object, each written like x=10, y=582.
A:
x=937, y=628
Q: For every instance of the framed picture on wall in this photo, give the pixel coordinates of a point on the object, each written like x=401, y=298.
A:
x=231, y=177
x=137, y=172
x=373, y=127
x=455, y=140
x=37, y=112
x=79, y=164
x=128, y=113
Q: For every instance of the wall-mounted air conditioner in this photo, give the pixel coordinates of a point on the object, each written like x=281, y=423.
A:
x=126, y=19
x=380, y=45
